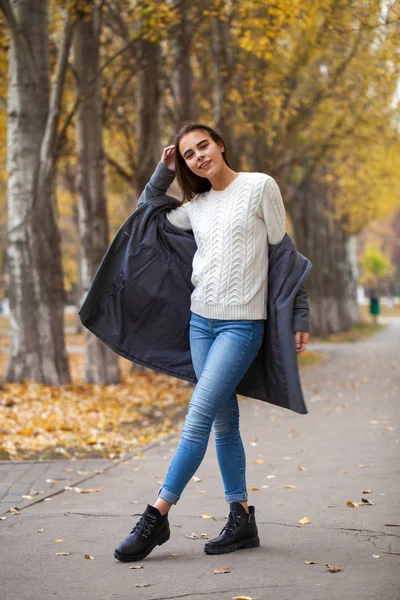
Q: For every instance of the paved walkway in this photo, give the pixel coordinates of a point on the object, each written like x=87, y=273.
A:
x=348, y=444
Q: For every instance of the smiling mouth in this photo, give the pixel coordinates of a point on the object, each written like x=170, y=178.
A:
x=205, y=164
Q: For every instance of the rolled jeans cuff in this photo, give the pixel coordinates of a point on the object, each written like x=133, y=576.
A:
x=167, y=495
x=242, y=497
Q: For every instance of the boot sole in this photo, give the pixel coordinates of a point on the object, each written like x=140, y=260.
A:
x=249, y=543
x=133, y=557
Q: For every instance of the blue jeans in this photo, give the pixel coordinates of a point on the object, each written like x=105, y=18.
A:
x=222, y=352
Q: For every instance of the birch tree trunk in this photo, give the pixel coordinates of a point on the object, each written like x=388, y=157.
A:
x=101, y=363
x=35, y=276
x=332, y=283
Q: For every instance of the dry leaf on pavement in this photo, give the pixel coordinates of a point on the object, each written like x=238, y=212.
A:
x=354, y=504
x=245, y=598
x=310, y=562
x=333, y=569
x=207, y=517
x=259, y=461
x=63, y=553
x=366, y=501
x=88, y=556
x=136, y=567
x=142, y=584
x=254, y=489
x=305, y=521
x=221, y=571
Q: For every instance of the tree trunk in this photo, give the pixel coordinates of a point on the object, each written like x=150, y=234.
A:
x=332, y=283
x=101, y=363
x=224, y=70
x=148, y=106
x=182, y=38
x=35, y=276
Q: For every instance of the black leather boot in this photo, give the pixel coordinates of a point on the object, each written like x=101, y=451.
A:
x=150, y=531
x=239, y=532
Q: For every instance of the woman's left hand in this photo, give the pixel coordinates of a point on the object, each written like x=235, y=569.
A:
x=302, y=338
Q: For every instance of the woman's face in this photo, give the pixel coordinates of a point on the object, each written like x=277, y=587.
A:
x=202, y=155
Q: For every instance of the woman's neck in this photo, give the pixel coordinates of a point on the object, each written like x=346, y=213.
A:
x=222, y=179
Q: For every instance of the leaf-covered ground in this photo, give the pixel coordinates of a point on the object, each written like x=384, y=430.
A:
x=86, y=420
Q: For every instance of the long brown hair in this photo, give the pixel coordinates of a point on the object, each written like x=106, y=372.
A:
x=190, y=183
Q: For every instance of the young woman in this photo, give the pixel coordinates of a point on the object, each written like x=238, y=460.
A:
x=233, y=216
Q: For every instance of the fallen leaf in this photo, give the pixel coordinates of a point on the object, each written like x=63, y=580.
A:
x=259, y=461
x=367, y=491
x=196, y=479
x=40, y=530
x=174, y=554
x=366, y=501
x=309, y=562
x=301, y=468
x=59, y=540
x=3, y=518
x=344, y=472
x=271, y=476
x=142, y=584
x=363, y=466
x=304, y=521
x=201, y=492
x=136, y=567
x=15, y=511
x=290, y=486
x=376, y=556
x=28, y=497
x=221, y=571
x=88, y=556
x=63, y=553
x=254, y=489
x=245, y=598
x=391, y=525
x=91, y=490
x=354, y=504
x=85, y=472
x=9, y=484
x=195, y=536
x=333, y=569
x=207, y=517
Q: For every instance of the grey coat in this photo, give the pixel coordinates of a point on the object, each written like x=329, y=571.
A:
x=139, y=301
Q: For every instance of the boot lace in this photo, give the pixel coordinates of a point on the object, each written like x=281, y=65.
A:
x=145, y=524
x=232, y=524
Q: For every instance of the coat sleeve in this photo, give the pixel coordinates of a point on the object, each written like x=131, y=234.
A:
x=158, y=184
x=301, y=321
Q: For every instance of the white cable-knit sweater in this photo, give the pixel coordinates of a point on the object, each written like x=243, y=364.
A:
x=232, y=229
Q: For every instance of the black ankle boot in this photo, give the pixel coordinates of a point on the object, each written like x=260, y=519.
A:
x=239, y=532
x=150, y=531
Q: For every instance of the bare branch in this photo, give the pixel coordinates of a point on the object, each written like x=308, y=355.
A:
x=120, y=170
x=50, y=140
x=67, y=122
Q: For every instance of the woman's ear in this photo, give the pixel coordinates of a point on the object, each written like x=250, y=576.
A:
x=221, y=147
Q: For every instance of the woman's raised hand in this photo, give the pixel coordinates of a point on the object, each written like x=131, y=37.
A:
x=168, y=157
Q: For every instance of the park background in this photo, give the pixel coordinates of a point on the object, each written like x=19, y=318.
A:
x=90, y=93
